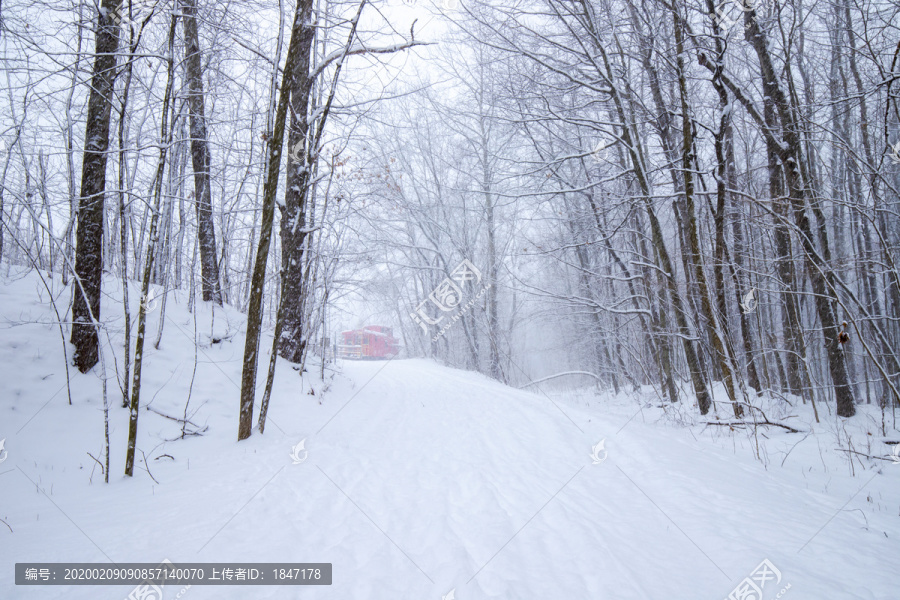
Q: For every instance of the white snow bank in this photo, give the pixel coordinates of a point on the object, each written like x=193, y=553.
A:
x=421, y=479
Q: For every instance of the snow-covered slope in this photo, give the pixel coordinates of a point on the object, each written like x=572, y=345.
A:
x=419, y=480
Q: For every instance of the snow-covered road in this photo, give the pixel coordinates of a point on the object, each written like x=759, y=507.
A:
x=421, y=479
x=417, y=481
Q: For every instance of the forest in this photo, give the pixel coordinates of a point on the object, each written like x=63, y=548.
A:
x=686, y=203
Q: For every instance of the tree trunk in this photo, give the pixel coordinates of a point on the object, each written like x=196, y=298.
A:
x=715, y=329
x=270, y=188
x=200, y=156
x=663, y=259
x=819, y=270
x=124, y=215
x=89, y=233
x=153, y=237
x=726, y=179
x=492, y=309
x=292, y=342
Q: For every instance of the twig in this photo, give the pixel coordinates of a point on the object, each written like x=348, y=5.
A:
x=7, y=524
x=792, y=449
x=147, y=467
x=102, y=470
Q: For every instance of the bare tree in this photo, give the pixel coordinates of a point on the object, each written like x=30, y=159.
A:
x=200, y=156
x=89, y=232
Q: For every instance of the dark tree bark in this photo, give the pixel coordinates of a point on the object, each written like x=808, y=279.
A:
x=200, y=156
x=663, y=123
x=270, y=188
x=89, y=231
x=818, y=268
x=292, y=341
x=715, y=330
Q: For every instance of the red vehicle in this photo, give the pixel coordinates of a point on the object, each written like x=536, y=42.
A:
x=372, y=342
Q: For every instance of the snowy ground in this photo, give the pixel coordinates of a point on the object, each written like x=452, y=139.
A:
x=421, y=480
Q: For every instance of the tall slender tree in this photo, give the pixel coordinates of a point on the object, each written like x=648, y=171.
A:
x=200, y=156
x=91, y=207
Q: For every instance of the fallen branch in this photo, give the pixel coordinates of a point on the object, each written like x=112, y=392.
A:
x=542, y=379
x=752, y=423
x=766, y=420
x=864, y=454
x=182, y=421
x=185, y=434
